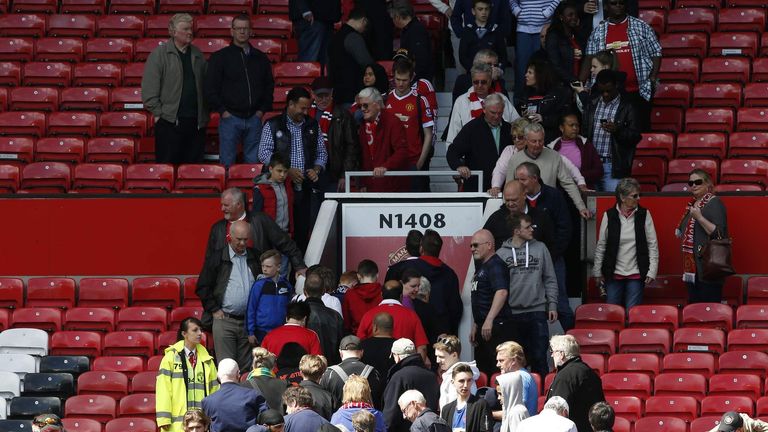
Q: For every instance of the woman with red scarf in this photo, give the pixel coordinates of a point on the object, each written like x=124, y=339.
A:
x=704, y=218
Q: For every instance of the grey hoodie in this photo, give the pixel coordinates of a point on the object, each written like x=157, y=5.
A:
x=532, y=280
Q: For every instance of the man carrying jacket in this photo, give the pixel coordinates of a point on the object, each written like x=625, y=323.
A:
x=239, y=87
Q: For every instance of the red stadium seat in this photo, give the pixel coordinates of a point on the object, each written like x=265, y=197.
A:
x=22, y=123
x=123, y=123
x=145, y=46
x=715, y=405
x=132, y=74
x=272, y=7
x=133, y=424
x=112, y=149
x=59, y=150
x=16, y=150
x=96, y=407
x=757, y=290
x=684, y=44
x=682, y=407
x=190, y=283
x=676, y=94
x=98, y=7
x=701, y=363
x=738, y=187
x=72, y=123
x=752, y=119
x=68, y=25
x=16, y=49
x=598, y=341
x=656, y=18
x=153, y=363
x=280, y=97
x=680, y=384
x=710, y=144
x=109, y=49
x=76, y=424
x=193, y=178
x=85, y=98
x=46, y=177
x=620, y=423
x=667, y=119
x=295, y=73
x=177, y=6
x=756, y=95
x=242, y=175
x=273, y=48
x=97, y=178
x=717, y=95
x=59, y=49
x=656, y=145
x=33, y=98
x=230, y=6
x=129, y=343
x=181, y=313
x=595, y=361
x=733, y=43
x=90, y=318
x=144, y=382
x=213, y=26
x=43, y=318
x=146, y=7
x=660, y=424
x=710, y=119
x=752, y=316
x=649, y=340
x=649, y=170
x=678, y=169
x=129, y=26
x=267, y=26
x=114, y=384
x=85, y=343
x=10, y=73
x=760, y=65
x=699, y=340
x=762, y=406
x=679, y=69
x=736, y=385
x=708, y=315
x=626, y=384
x=10, y=178
x=161, y=292
x=627, y=407
x=47, y=74
x=24, y=24
x=646, y=363
x=675, y=187
x=98, y=292
x=128, y=365
x=600, y=315
x=142, y=318
x=745, y=171
x=149, y=178
x=691, y=19
x=97, y=74
x=138, y=405
x=726, y=69
x=45, y=6
x=748, y=340
x=706, y=423
x=126, y=98
x=210, y=45
x=156, y=26
x=753, y=362
x=11, y=293
x=741, y=19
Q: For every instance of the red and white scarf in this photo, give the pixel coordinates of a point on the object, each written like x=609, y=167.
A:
x=325, y=120
x=689, y=254
x=475, y=104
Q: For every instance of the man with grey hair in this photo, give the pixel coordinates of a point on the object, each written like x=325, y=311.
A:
x=470, y=105
x=414, y=408
x=486, y=56
x=232, y=407
x=552, y=418
x=575, y=381
x=553, y=169
x=171, y=89
x=383, y=141
x=480, y=142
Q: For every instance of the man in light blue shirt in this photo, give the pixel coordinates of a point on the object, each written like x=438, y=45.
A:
x=510, y=357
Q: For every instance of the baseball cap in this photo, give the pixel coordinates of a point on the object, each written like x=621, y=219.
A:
x=271, y=417
x=48, y=423
x=403, y=346
x=322, y=85
x=730, y=422
x=350, y=342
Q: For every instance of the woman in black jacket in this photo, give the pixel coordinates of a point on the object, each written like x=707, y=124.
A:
x=468, y=412
x=565, y=44
x=543, y=100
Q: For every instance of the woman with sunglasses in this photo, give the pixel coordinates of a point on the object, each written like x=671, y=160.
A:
x=705, y=217
x=627, y=253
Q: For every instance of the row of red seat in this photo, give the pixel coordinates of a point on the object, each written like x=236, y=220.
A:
x=713, y=69
x=704, y=19
x=658, y=172
x=129, y=343
x=709, y=119
x=713, y=4
x=61, y=292
x=686, y=408
x=101, y=178
x=701, y=44
x=716, y=145
x=147, y=7
x=717, y=94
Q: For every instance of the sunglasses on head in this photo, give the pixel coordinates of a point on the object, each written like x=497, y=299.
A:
x=480, y=82
x=697, y=182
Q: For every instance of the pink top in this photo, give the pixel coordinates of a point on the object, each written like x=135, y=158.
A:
x=571, y=151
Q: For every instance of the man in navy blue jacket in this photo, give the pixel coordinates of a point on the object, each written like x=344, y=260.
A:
x=233, y=408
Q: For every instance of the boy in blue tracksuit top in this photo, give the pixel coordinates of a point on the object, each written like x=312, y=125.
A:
x=268, y=299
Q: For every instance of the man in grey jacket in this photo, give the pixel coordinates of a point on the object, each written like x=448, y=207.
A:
x=414, y=407
x=532, y=290
x=172, y=90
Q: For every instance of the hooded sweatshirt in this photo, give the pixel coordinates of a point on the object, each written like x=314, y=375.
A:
x=512, y=392
x=532, y=280
x=358, y=301
x=448, y=391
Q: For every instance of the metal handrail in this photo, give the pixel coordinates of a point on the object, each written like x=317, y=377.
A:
x=350, y=174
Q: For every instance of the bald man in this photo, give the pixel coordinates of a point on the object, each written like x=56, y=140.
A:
x=233, y=407
x=515, y=204
x=223, y=287
x=490, y=311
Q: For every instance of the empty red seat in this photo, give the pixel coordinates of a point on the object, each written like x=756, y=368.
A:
x=112, y=149
x=717, y=95
x=756, y=95
x=22, y=123
x=595, y=361
x=651, y=340
x=242, y=175
x=213, y=26
x=44, y=6
x=667, y=119
x=190, y=283
x=757, y=290
x=752, y=119
x=96, y=407
x=59, y=49
x=741, y=19
x=273, y=48
x=209, y=46
x=678, y=169
x=733, y=43
x=745, y=171
x=752, y=316
x=128, y=365
x=684, y=44
x=16, y=149
x=690, y=362
x=295, y=73
x=599, y=341
x=195, y=178
x=96, y=178
x=626, y=384
x=762, y=406
x=699, y=340
x=126, y=98
x=134, y=424
x=114, y=384
x=600, y=315
x=749, y=362
x=123, y=123
x=109, y=49
x=760, y=66
x=161, y=292
x=679, y=69
x=706, y=423
x=179, y=314
x=98, y=7
x=132, y=74
x=11, y=293
x=23, y=24
x=129, y=26
x=736, y=385
x=10, y=72
x=676, y=94
x=138, y=405
x=267, y=26
x=103, y=292
x=272, y=7
x=85, y=98
x=16, y=49
x=727, y=69
x=71, y=25
x=43, y=318
x=646, y=363
x=144, y=382
x=650, y=170
x=142, y=318
x=680, y=384
x=156, y=26
x=230, y=6
x=748, y=340
x=715, y=405
x=97, y=74
x=145, y=46
x=34, y=98
x=146, y=7
x=627, y=407
x=660, y=424
x=682, y=407
x=738, y=187
x=709, y=315
x=710, y=144
x=72, y=123
x=59, y=149
x=658, y=144
x=90, y=318
x=85, y=343
x=46, y=177
x=691, y=19
x=149, y=178
x=710, y=119
x=153, y=363
x=129, y=343
x=656, y=18
x=77, y=424
x=47, y=73
x=10, y=179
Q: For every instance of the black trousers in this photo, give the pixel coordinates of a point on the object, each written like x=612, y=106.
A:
x=485, y=351
x=180, y=143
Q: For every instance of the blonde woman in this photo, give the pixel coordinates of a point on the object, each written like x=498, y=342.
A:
x=357, y=397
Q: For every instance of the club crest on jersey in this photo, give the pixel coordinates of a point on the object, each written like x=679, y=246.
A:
x=410, y=107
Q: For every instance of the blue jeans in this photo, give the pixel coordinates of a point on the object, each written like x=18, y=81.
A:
x=526, y=45
x=624, y=292
x=313, y=40
x=533, y=335
x=234, y=130
x=608, y=183
x=564, y=312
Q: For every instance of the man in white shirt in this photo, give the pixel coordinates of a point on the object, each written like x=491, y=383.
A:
x=553, y=418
